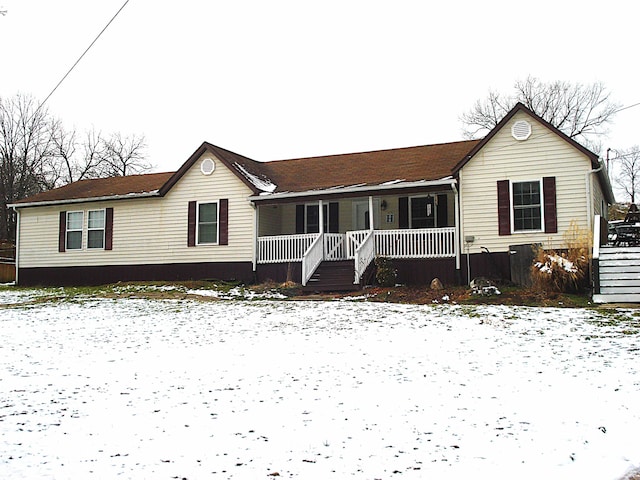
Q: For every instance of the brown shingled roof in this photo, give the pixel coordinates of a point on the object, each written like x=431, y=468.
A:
x=428, y=162
x=103, y=187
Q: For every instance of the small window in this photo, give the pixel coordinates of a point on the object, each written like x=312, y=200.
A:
x=95, y=229
x=527, y=211
x=74, y=230
x=208, y=223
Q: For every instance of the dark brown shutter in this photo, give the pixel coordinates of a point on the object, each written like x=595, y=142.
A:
x=504, y=208
x=191, y=225
x=334, y=217
x=299, y=218
x=62, y=232
x=443, y=214
x=224, y=222
x=403, y=212
x=549, y=193
x=108, y=229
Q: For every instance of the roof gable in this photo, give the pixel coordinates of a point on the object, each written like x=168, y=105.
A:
x=519, y=107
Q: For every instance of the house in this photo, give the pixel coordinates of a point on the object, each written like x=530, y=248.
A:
x=453, y=211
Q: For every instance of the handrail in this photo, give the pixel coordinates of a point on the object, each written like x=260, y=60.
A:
x=364, y=255
x=312, y=259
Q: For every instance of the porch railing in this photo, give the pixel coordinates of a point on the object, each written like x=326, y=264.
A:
x=284, y=248
x=416, y=243
x=364, y=255
x=404, y=243
x=312, y=258
x=334, y=246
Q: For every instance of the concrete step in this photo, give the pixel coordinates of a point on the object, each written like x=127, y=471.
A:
x=619, y=282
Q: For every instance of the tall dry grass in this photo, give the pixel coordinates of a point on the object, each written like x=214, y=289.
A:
x=564, y=270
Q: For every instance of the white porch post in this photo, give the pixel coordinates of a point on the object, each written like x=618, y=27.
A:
x=456, y=216
x=256, y=234
x=371, y=212
x=320, y=218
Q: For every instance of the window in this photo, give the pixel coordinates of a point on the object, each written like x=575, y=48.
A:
x=74, y=230
x=95, y=229
x=527, y=206
x=207, y=223
x=422, y=212
x=313, y=218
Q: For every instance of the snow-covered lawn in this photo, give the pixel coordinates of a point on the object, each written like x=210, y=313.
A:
x=135, y=388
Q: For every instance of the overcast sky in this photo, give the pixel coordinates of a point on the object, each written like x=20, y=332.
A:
x=286, y=79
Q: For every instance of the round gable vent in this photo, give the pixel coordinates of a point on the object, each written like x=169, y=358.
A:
x=207, y=166
x=521, y=130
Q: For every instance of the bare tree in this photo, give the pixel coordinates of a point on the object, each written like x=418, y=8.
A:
x=628, y=171
x=25, y=152
x=582, y=112
x=79, y=159
x=124, y=155
x=37, y=153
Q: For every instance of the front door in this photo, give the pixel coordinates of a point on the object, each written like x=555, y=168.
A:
x=361, y=214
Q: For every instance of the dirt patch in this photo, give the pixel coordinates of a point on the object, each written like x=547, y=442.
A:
x=509, y=295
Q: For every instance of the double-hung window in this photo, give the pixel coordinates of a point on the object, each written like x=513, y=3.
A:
x=423, y=212
x=527, y=206
x=207, y=223
x=73, y=234
x=95, y=229
x=313, y=218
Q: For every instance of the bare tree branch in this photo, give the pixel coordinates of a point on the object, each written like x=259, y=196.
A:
x=583, y=112
x=628, y=167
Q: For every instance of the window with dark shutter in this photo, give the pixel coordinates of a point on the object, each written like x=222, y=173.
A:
x=549, y=194
x=299, y=218
x=108, y=229
x=504, y=208
x=333, y=217
x=62, y=232
x=224, y=222
x=191, y=225
x=403, y=212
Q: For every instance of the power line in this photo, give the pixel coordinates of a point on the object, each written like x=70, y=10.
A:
x=81, y=56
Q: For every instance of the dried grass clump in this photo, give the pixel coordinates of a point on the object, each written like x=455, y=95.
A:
x=564, y=271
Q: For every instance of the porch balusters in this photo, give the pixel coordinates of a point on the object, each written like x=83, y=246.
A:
x=404, y=243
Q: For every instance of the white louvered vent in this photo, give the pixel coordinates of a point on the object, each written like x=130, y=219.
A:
x=207, y=166
x=521, y=130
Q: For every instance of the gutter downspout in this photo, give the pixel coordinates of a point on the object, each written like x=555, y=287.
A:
x=587, y=181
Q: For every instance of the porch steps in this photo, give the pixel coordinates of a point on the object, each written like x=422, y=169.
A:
x=619, y=274
x=332, y=277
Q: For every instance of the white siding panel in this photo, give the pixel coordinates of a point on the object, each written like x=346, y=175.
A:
x=149, y=230
x=544, y=154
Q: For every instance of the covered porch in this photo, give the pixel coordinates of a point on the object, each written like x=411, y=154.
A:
x=409, y=226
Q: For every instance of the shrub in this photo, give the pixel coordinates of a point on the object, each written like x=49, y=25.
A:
x=385, y=273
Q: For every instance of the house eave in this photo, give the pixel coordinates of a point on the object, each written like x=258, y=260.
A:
x=69, y=201
x=387, y=186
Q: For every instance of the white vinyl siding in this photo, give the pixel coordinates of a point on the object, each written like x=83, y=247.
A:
x=148, y=230
x=544, y=154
